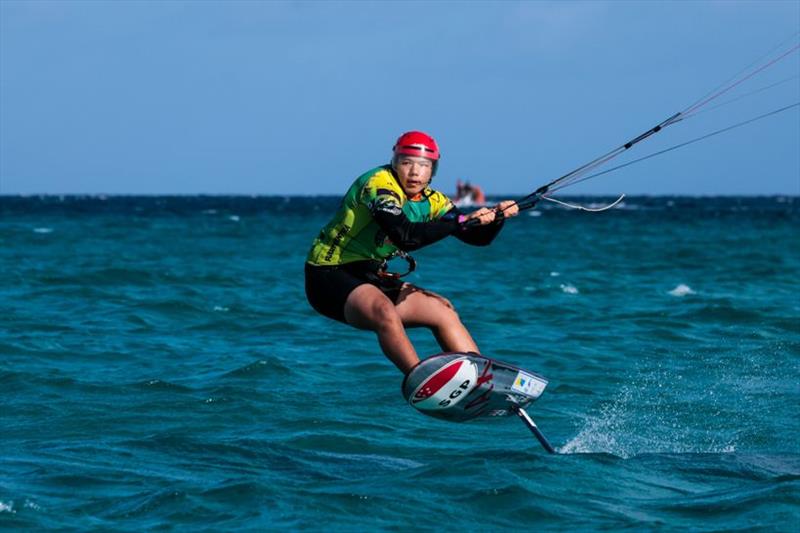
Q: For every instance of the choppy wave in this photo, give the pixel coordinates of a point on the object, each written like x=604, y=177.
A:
x=161, y=369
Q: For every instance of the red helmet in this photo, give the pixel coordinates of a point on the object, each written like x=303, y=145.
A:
x=417, y=144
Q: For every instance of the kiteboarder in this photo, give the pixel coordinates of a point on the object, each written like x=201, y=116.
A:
x=389, y=211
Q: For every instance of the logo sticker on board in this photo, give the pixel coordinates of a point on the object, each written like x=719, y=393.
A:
x=528, y=385
x=447, y=386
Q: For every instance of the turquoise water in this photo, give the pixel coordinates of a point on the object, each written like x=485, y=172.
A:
x=160, y=368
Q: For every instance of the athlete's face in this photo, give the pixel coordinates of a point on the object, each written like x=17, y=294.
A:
x=414, y=173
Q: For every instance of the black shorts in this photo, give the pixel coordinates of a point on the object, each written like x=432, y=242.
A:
x=327, y=287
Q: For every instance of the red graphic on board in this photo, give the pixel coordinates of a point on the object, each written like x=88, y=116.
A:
x=437, y=381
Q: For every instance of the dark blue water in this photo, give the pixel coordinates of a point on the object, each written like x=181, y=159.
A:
x=160, y=368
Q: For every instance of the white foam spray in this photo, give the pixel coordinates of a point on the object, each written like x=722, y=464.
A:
x=669, y=409
x=569, y=289
x=681, y=290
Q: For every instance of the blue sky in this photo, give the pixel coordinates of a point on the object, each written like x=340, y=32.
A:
x=299, y=98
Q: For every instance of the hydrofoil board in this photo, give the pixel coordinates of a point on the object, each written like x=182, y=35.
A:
x=464, y=386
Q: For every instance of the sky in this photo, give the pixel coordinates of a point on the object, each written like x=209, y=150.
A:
x=286, y=98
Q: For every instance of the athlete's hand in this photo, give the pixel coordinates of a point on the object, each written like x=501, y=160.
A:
x=484, y=216
x=509, y=208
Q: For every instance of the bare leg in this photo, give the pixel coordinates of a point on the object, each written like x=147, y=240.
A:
x=368, y=308
x=421, y=308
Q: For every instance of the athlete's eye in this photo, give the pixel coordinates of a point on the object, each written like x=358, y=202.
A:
x=409, y=162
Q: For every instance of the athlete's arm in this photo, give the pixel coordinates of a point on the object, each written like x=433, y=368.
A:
x=407, y=235
x=484, y=234
x=480, y=235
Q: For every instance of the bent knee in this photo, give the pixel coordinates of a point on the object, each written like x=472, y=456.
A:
x=446, y=314
x=367, y=308
x=447, y=303
x=384, y=311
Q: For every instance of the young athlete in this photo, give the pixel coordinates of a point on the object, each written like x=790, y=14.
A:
x=388, y=211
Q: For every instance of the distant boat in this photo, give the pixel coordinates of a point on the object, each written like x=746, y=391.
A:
x=468, y=195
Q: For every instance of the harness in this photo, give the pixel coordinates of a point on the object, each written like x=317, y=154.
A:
x=383, y=271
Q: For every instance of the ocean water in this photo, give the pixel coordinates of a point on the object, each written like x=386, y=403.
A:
x=160, y=369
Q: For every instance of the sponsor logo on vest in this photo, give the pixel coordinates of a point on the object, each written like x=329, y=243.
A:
x=337, y=240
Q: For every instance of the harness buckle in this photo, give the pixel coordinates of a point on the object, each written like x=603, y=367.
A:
x=384, y=272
